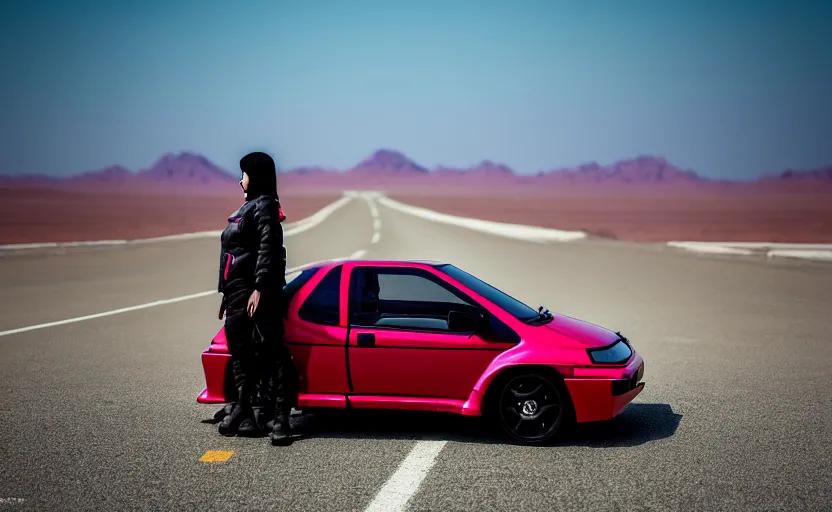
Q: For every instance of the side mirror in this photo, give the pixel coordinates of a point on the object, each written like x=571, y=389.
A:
x=464, y=321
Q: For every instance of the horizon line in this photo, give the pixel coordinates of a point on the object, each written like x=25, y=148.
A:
x=426, y=170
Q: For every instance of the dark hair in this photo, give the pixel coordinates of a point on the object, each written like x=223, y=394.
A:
x=262, y=174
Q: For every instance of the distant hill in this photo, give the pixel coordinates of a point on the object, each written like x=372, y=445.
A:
x=642, y=169
x=390, y=168
x=387, y=161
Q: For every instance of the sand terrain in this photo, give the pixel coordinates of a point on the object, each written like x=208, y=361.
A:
x=715, y=217
x=42, y=215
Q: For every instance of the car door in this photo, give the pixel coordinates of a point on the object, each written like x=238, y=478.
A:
x=317, y=334
x=399, y=342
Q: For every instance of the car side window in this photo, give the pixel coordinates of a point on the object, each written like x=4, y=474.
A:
x=409, y=287
x=408, y=299
x=323, y=305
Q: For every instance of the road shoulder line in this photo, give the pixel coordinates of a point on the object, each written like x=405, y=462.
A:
x=817, y=252
x=128, y=309
x=289, y=230
x=516, y=231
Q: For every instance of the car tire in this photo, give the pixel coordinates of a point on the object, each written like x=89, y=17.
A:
x=530, y=407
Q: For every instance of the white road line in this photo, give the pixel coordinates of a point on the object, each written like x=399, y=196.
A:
x=128, y=309
x=752, y=245
x=404, y=483
x=517, y=231
x=317, y=217
x=289, y=230
x=368, y=196
x=709, y=248
x=795, y=253
x=313, y=220
x=374, y=213
x=108, y=313
x=12, y=247
x=770, y=250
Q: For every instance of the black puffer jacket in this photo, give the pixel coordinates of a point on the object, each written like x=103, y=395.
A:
x=252, y=255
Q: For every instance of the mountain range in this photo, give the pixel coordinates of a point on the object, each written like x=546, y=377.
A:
x=387, y=167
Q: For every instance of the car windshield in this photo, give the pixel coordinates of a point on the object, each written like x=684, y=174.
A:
x=296, y=280
x=513, y=306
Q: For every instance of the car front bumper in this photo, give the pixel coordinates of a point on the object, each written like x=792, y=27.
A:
x=601, y=393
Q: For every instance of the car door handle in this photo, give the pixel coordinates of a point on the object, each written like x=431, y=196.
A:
x=366, y=340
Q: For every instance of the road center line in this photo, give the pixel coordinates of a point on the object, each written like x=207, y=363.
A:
x=404, y=483
x=372, y=205
x=374, y=213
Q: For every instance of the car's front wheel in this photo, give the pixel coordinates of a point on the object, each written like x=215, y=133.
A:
x=530, y=408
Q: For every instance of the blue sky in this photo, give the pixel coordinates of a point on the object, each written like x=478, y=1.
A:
x=730, y=89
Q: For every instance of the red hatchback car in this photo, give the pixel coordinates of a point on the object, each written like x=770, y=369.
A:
x=429, y=336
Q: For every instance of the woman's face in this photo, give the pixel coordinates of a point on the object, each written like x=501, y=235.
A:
x=244, y=182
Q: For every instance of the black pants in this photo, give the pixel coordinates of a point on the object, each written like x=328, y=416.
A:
x=264, y=373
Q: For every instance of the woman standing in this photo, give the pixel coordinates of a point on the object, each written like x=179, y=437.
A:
x=251, y=279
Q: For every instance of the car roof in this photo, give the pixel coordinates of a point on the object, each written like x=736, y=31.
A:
x=395, y=262
x=384, y=262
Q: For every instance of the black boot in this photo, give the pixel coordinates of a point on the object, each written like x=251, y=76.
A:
x=242, y=410
x=281, y=429
x=222, y=413
x=253, y=426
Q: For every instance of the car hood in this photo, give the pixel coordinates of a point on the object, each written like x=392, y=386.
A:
x=585, y=333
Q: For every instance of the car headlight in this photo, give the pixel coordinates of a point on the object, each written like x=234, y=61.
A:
x=616, y=353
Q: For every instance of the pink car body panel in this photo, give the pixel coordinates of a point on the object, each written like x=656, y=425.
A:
x=395, y=373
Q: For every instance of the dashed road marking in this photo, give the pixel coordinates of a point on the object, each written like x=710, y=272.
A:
x=374, y=213
x=215, y=456
x=373, y=208
x=404, y=483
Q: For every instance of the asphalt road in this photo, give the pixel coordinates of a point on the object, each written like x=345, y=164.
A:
x=736, y=413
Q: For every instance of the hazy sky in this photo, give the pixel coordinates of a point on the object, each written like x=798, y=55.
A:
x=731, y=89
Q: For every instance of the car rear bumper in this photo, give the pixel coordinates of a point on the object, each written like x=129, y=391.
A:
x=603, y=397
x=214, y=365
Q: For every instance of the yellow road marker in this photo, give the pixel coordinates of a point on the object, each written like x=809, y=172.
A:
x=216, y=456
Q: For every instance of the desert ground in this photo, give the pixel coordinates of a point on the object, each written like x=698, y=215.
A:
x=45, y=215
x=701, y=216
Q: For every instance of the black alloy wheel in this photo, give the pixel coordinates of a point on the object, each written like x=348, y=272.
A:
x=530, y=408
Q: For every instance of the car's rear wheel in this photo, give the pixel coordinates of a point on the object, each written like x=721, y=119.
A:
x=530, y=408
